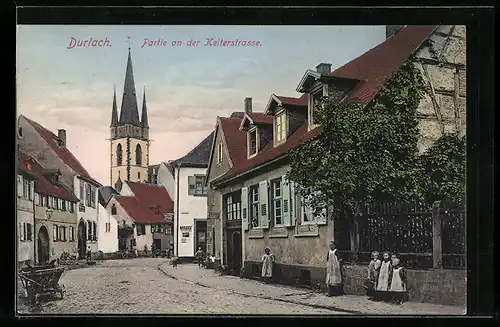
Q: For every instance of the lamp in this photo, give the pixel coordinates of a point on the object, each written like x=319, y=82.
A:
x=49, y=212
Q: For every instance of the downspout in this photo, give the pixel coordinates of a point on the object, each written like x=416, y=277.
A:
x=34, y=228
x=177, y=215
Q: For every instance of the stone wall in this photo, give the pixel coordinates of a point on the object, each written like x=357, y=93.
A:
x=439, y=286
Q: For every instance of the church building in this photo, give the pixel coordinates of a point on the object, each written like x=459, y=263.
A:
x=129, y=136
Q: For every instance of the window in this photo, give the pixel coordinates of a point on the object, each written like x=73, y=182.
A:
x=56, y=203
x=94, y=231
x=141, y=229
x=30, y=190
x=71, y=233
x=62, y=233
x=138, y=155
x=113, y=209
x=45, y=200
x=280, y=128
x=89, y=193
x=254, y=206
x=307, y=213
x=168, y=230
x=63, y=207
x=55, y=236
x=40, y=199
x=139, y=175
x=119, y=155
x=89, y=231
x=71, y=207
x=26, y=231
x=277, y=201
x=197, y=185
x=108, y=227
x=252, y=142
x=314, y=103
x=92, y=196
x=219, y=153
x=82, y=190
x=232, y=206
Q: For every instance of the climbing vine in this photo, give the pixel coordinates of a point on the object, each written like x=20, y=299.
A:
x=370, y=153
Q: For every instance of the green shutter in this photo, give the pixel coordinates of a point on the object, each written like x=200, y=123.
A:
x=264, y=204
x=294, y=209
x=191, y=185
x=19, y=185
x=287, y=203
x=244, y=208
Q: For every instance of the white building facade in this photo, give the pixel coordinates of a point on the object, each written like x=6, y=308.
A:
x=25, y=217
x=88, y=213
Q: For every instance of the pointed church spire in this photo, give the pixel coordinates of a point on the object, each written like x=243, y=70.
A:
x=114, y=112
x=129, y=113
x=144, y=118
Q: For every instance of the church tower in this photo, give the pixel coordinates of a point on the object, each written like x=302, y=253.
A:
x=129, y=141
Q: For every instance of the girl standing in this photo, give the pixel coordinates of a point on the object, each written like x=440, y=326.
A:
x=333, y=272
x=373, y=269
x=398, y=282
x=267, y=265
x=383, y=284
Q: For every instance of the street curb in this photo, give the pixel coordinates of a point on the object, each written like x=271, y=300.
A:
x=318, y=306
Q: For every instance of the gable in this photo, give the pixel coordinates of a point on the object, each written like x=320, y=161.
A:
x=216, y=169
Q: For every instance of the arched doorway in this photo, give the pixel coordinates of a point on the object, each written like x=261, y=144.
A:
x=82, y=239
x=43, y=245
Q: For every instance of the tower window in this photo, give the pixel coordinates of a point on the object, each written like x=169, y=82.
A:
x=139, y=174
x=119, y=154
x=138, y=155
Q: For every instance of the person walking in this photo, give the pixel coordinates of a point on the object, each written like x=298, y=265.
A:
x=267, y=265
x=334, y=272
x=199, y=257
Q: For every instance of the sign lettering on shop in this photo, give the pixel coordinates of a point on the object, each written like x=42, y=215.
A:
x=188, y=228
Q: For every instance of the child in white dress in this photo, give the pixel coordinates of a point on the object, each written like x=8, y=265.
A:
x=384, y=279
x=267, y=265
x=398, y=282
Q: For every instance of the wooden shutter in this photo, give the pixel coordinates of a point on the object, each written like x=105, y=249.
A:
x=30, y=231
x=21, y=229
x=54, y=231
x=287, y=204
x=264, y=204
x=293, y=204
x=20, y=185
x=32, y=190
x=191, y=185
x=244, y=207
x=321, y=219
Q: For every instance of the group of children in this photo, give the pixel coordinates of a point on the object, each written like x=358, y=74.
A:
x=387, y=280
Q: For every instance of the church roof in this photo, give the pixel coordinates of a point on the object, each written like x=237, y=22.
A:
x=114, y=112
x=129, y=113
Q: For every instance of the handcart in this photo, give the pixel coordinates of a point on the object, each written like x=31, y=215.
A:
x=41, y=280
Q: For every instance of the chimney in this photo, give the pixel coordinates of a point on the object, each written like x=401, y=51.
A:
x=324, y=68
x=61, y=135
x=248, y=105
x=391, y=30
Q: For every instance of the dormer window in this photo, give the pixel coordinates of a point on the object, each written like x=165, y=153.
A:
x=315, y=99
x=280, y=128
x=219, y=153
x=252, y=142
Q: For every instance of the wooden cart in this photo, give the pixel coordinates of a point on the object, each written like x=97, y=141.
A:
x=41, y=280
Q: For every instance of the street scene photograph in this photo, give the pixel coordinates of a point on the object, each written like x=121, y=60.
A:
x=241, y=170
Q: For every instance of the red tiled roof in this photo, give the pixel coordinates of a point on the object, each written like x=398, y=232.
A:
x=146, y=197
x=270, y=152
x=302, y=101
x=42, y=184
x=260, y=118
x=236, y=141
x=376, y=67
x=62, y=152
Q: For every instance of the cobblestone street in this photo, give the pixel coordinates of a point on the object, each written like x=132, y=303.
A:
x=153, y=286
x=138, y=286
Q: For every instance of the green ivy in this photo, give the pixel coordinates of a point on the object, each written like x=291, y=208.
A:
x=370, y=153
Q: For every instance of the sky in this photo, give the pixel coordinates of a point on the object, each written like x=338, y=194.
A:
x=187, y=87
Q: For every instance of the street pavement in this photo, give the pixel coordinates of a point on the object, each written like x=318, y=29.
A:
x=153, y=286
x=137, y=286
